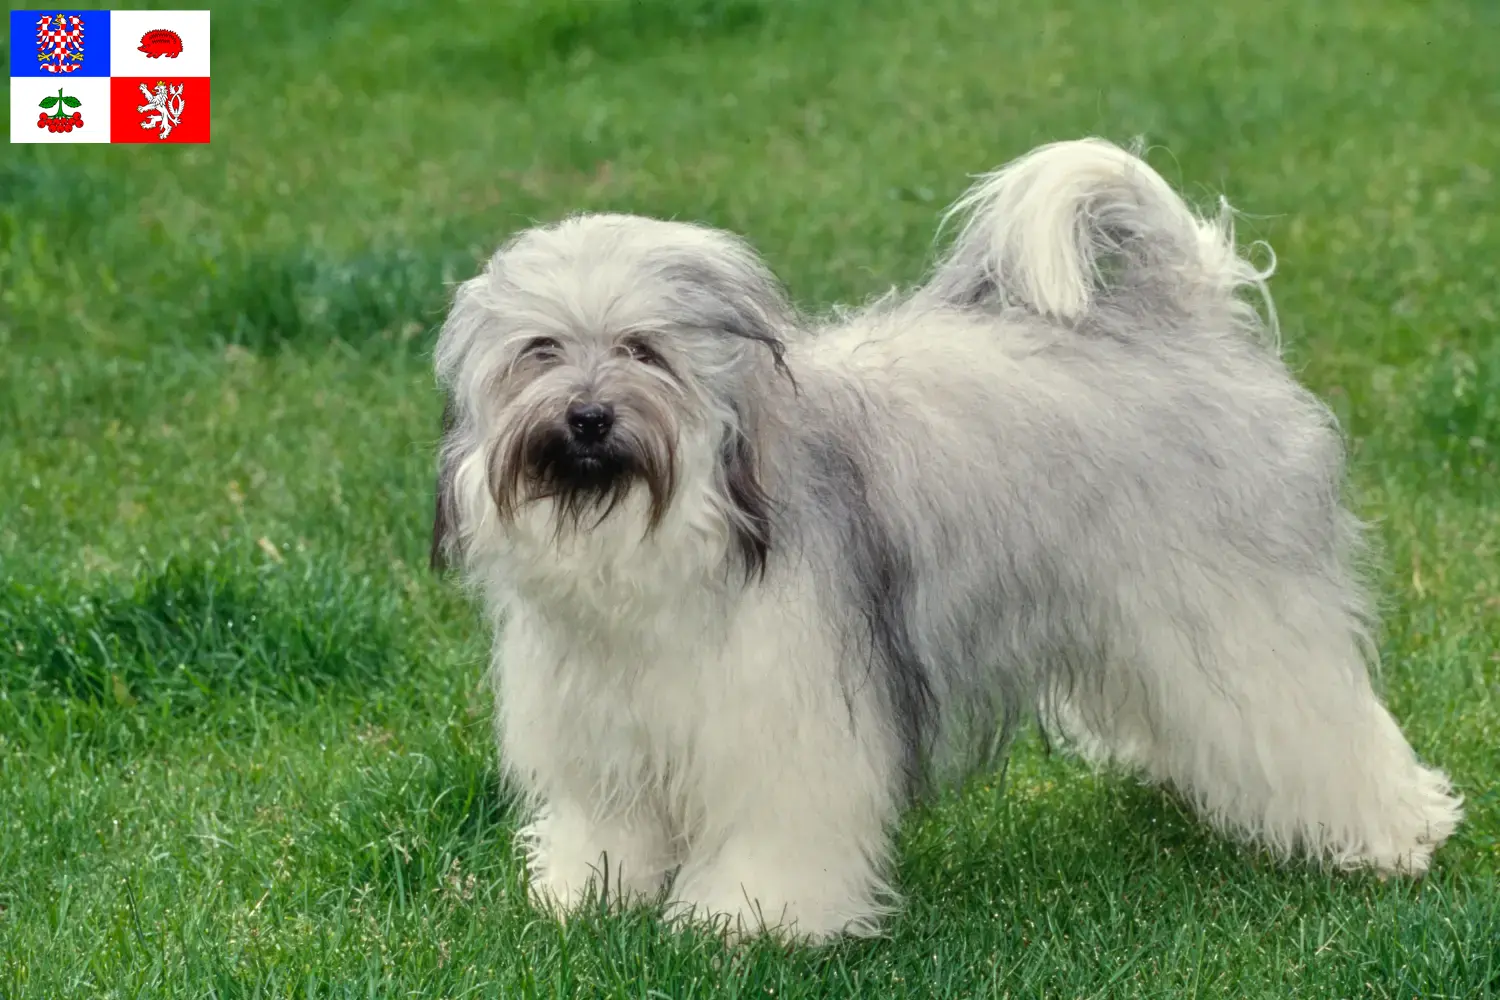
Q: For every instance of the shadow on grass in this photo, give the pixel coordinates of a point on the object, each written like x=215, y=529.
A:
x=508, y=44
x=1108, y=829
x=1456, y=397
x=1124, y=872
x=189, y=634
x=378, y=301
x=48, y=212
x=67, y=200
x=558, y=31
x=541, y=40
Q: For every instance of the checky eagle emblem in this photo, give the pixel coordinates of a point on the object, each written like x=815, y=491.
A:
x=59, y=42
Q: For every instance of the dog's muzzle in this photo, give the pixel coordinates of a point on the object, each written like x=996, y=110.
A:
x=585, y=455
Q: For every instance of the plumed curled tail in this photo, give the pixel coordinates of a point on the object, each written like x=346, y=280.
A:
x=1085, y=227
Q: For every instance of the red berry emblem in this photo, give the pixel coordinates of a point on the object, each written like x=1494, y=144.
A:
x=60, y=120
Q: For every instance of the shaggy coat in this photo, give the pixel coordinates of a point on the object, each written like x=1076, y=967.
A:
x=756, y=581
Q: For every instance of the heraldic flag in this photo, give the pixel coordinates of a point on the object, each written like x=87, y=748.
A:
x=136, y=76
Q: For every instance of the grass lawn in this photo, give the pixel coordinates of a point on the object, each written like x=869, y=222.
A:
x=245, y=744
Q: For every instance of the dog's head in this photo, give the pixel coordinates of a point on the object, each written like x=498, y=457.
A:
x=602, y=357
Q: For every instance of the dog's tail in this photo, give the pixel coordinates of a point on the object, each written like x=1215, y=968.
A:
x=1084, y=228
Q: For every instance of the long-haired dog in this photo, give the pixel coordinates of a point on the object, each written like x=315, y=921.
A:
x=756, y=582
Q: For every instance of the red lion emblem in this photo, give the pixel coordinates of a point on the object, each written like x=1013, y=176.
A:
x=161, y=42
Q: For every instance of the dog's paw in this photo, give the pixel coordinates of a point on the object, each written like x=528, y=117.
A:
x=739, y=922
x=1422, y=811
x=554, y=894
x=567, y=866
x=731, y=912
x=1429, y=814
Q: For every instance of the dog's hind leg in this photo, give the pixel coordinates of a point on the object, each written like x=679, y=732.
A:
x=1254, y=702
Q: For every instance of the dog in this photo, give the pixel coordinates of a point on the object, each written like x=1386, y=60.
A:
x=759, y=582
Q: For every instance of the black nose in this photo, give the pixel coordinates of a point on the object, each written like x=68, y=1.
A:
x=590, y=422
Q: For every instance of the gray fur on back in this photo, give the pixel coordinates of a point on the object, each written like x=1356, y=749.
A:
x=979, y=517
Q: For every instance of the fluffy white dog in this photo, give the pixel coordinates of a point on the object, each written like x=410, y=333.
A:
x=757, y=581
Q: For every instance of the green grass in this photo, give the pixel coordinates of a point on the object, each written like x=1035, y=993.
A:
x=245, y=747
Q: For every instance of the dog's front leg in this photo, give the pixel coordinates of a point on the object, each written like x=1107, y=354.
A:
x=597, y=824
x=799, y=850
x=796, y=782
x=574, y=853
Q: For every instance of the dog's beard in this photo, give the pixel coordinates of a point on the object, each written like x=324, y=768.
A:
x=541, y=462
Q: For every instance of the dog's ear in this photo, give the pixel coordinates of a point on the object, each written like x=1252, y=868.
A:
x=444, y=515
x=750, y=516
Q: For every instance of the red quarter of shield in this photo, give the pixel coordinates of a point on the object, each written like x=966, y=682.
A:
x=158, y=110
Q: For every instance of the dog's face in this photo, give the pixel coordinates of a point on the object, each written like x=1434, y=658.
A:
x=607, y=355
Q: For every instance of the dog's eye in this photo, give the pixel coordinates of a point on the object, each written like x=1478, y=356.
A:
x=641, y=351
x=541, y=347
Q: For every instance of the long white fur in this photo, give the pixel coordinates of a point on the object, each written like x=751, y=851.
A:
x=1067, y=475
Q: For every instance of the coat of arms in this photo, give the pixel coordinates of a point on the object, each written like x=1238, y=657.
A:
x=59, y=42
x=163, y=107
